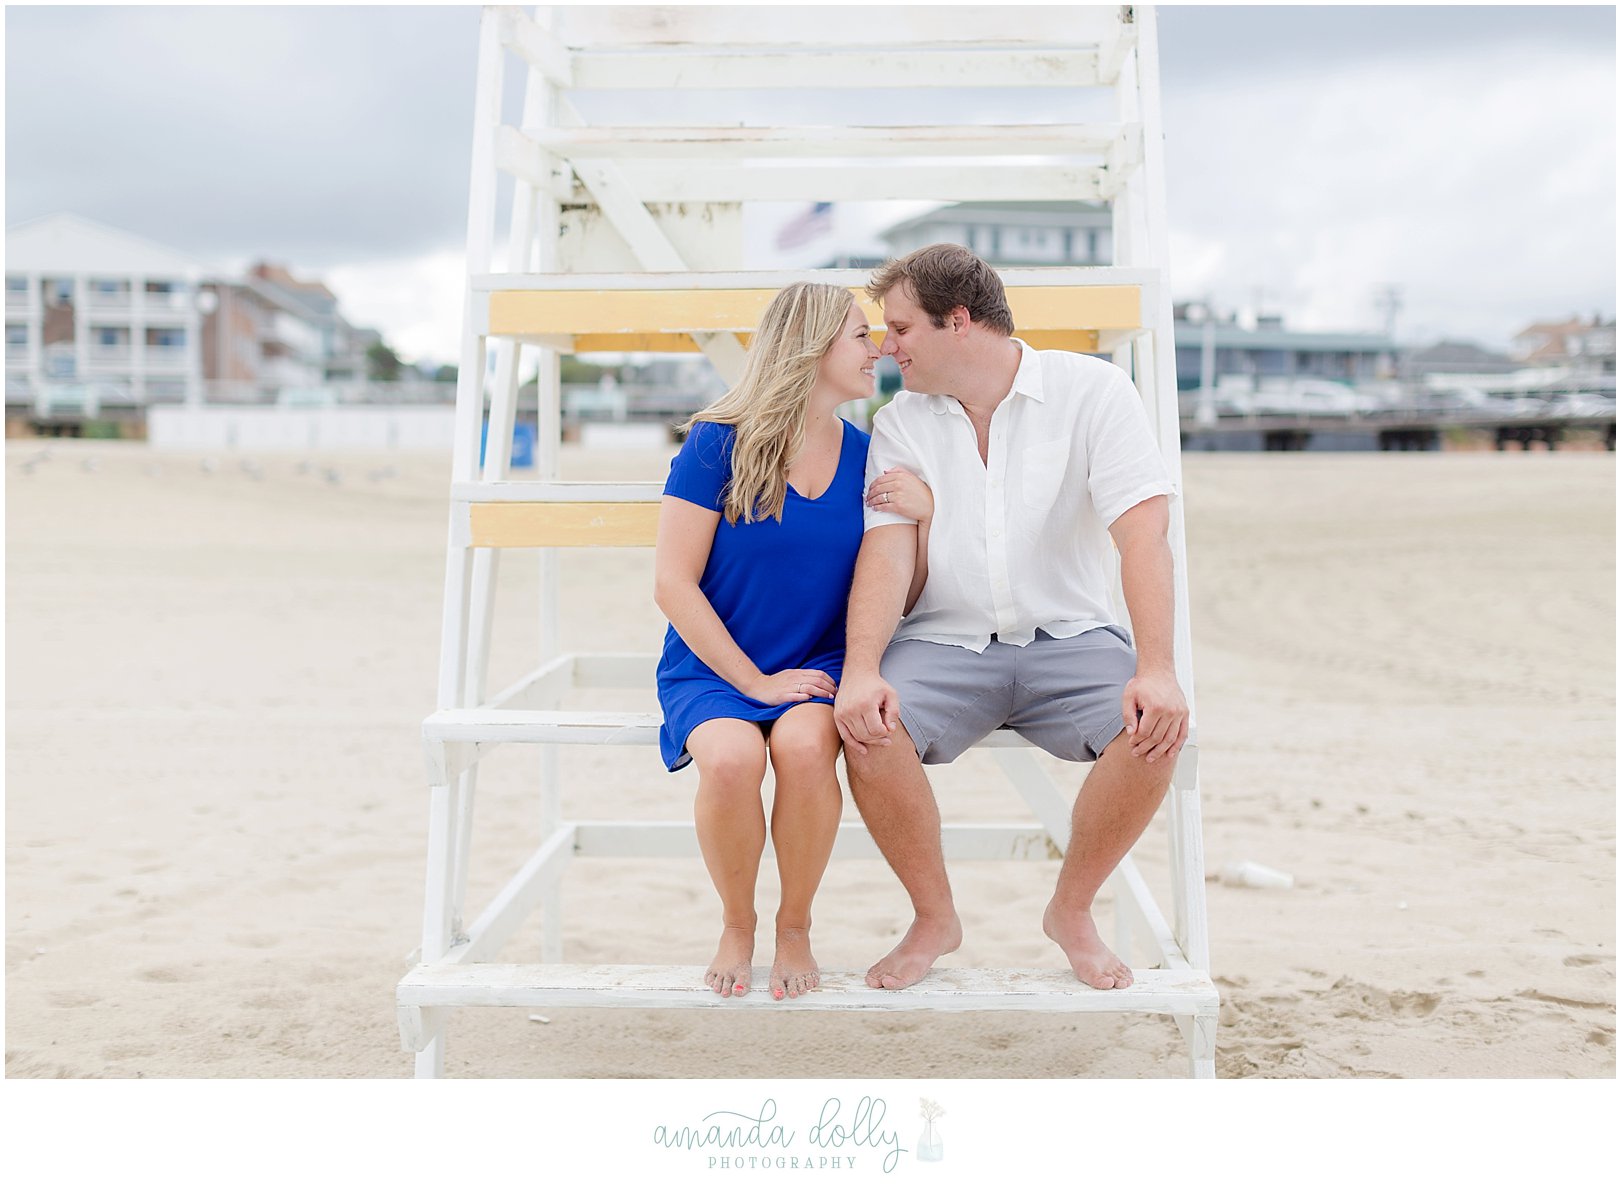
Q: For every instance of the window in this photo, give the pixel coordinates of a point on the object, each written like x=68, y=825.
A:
x=16, y=335
x=110, y=336
x=16, y=286
x=171, y=338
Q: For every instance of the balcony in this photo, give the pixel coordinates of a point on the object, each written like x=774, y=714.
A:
x=101, y=300
x=167, y=357
x=16, y=354
x=16, y=300
x=101, y=352
x=178, y=301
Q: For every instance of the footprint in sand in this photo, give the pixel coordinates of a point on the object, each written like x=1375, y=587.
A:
x=255, y=940
x=1582, y=960
x=128, y=1051
x=74, y=999
x=166, y=973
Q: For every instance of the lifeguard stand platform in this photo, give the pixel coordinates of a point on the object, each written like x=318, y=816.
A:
x=630, y=238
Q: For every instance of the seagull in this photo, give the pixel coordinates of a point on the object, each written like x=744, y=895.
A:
x=332, y=476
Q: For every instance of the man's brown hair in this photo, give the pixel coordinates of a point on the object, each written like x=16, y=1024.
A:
x=943, y=276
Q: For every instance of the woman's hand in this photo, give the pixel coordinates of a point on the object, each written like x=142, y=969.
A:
x=791, y=684
x=902, y=492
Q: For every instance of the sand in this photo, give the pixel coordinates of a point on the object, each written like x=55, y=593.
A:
x=216, y=807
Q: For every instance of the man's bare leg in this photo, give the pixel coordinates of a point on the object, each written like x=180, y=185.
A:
x=730, y=755
x=1114, y=806
x=804, y=748
x=898, y=806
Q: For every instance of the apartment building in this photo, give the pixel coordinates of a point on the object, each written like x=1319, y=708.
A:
x=92, y=308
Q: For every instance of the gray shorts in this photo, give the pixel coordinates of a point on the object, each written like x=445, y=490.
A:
x=1061, y=694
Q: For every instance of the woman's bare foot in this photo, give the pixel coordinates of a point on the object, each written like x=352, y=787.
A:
x=731, y=973
x=1092, y=960
x=925, y=942
x=794, y=970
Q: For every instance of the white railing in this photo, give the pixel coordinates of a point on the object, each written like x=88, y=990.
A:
x=118, y=300
x=176, y=301
x=167, y=356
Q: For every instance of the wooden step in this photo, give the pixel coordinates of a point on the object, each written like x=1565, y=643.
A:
x=1155, y=991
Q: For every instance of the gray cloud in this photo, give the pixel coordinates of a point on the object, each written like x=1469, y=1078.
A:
x=1466, y=153
x=320, y=134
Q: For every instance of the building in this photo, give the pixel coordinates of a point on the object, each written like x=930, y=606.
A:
x=90, y=308
x=1447, y=357
x=1071, y=234
x=1267, y=354
x=1585, y=347
x=1013, y=234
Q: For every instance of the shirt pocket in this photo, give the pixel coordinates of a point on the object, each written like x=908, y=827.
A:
x=1041, y=473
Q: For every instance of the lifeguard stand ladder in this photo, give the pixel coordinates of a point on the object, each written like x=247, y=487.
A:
x=630, y=238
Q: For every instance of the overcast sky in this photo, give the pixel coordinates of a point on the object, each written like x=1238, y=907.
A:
x=1464, y=154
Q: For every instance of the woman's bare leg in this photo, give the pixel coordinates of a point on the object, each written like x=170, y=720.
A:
x=804, y=746
x=730, y=756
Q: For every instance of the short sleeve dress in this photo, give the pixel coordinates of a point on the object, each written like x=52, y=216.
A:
x=780, y=588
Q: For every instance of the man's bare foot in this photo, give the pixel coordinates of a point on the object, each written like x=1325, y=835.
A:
x=1092, y=960
x=731, y=973
x=925, y=942
x=794, y=971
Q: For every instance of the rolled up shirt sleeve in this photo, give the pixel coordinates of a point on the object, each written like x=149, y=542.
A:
x=890, y=447
x=1124, y=464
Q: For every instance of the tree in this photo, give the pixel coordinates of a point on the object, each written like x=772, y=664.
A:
x=446, y=373
x=382, y=363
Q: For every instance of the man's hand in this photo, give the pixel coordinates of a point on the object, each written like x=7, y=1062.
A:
x=866, y=711
x=1156, y=714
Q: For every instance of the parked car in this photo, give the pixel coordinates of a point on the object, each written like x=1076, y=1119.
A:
x=1314, y=398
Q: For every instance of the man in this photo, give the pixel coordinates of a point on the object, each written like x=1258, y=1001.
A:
x=1036, y=459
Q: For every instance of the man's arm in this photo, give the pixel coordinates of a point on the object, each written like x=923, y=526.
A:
x=1155, y=710
x=866, y=709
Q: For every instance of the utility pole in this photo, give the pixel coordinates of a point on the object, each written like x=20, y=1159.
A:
x=1207, y=367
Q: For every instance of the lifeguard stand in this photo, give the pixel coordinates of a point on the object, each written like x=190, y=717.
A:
x=630, y=238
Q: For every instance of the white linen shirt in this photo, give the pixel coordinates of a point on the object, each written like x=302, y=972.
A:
x=1020, y=542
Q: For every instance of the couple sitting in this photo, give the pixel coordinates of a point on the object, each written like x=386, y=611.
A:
x=904, y=595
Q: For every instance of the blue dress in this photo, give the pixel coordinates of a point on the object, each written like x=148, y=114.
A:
x=780, y=588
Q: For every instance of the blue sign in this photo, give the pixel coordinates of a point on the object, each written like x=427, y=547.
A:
x=523, y=445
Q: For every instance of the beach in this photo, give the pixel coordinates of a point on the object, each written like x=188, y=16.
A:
x=216, y=804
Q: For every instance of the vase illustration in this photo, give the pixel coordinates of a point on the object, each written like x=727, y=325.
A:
x=931, y=1148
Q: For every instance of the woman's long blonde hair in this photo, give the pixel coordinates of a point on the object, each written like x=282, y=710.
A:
x=767, y=406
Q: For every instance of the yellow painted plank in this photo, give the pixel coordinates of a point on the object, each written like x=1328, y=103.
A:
x=1042, y=340
x=563, y=525
x=682, y=311
x=1061, y=340
x=664, y=343
x=629, y=311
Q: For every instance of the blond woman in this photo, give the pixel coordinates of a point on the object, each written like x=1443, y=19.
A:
x=759, y=529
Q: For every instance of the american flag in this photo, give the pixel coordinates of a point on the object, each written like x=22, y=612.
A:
x=815, y=220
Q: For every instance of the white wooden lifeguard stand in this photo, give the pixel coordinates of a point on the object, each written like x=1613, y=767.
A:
x=630, y=238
